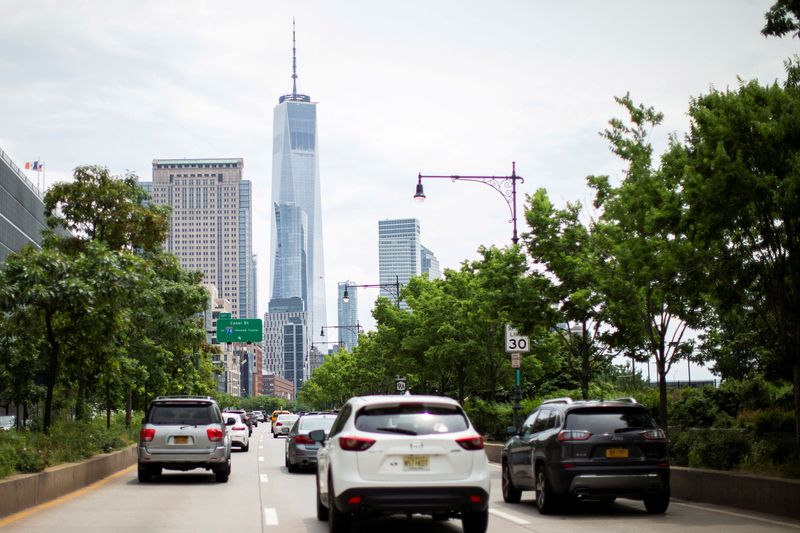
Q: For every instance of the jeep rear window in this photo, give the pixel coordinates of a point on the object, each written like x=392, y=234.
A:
x=411, y=419
x=608, y=420
x=182, y=414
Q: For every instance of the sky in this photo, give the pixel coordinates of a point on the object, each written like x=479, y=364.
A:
x=433, y=87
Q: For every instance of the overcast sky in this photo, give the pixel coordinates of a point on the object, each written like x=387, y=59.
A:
x=438, y=87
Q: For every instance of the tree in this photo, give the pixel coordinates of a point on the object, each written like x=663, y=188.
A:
x=742, y=189
x=644, y=254
x=782, y=18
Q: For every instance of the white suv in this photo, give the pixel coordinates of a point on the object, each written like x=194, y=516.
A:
x=402, y=454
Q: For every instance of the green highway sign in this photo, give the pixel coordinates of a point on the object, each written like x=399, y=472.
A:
x=223, y=316
x=239, y=330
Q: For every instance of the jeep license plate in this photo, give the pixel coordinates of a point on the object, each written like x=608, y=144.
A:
x=180, y=439
x=416, y=462
x=616, y=453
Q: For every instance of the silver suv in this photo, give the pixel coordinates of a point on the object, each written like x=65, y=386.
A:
x=184, y=433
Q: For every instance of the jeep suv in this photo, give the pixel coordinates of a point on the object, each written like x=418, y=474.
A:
x=183, y=433
x=571, y=450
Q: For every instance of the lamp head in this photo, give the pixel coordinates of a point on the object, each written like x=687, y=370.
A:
x=322, y=331
x=345, y=296
x=419, y=197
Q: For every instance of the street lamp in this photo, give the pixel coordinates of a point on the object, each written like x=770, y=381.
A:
x=505, y=185
x=395, y=286
x=357, y=328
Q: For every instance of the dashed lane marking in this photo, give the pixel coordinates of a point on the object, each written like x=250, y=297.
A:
x=509, y=517
x=270, y=516
x=264, y=478
x=261, y=459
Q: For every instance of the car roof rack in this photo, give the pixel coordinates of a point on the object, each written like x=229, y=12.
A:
x=626, y=399
x=184, y=397
x=565, y=399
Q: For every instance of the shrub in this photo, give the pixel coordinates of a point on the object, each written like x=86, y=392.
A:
x=720, y=449
x=490, y=419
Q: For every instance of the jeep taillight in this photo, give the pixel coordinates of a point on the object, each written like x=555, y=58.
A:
x=355, y=444
x=147, y=434
x=654, y=435
x=471, y=443
x=214, y=434
x=573, y=434
x=303, y=439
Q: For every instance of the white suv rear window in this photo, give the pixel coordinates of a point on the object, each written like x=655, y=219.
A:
x=411, y=419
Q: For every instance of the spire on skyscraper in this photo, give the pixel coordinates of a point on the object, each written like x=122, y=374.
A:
x=295, y=97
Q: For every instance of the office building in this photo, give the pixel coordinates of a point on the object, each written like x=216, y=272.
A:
x=399, y=254
x=296, y=256
x=429, y=264
x=347, y=315
x=286, y=344
x=211, y=225
x=21, y=209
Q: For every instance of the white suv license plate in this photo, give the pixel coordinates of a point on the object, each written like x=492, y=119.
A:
x=416, y=462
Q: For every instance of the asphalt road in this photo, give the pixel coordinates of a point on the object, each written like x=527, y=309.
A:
x=262, y=496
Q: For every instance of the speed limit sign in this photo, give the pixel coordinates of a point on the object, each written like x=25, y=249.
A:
x=515, y=342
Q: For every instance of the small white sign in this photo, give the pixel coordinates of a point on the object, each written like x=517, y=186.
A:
x=516, y=342
x=515, y=360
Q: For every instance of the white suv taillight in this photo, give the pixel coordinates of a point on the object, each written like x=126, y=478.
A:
x=573, y=434
x=147, y=434
x=654, y=434
x=355, y=444
x=214, y=434
x=471, y=443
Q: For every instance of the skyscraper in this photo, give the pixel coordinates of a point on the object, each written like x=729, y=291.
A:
x=296, y=258
x=210, y=228
x=429, y=264
x=348, y=315
x=399, y=254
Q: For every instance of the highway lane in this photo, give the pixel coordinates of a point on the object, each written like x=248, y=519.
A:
x=262, y=496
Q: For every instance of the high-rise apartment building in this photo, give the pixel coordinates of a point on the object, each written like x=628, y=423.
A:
x=286, y=344
x=429, y=264
x=348, y=315
x=399, y=254
x=296, y=258
x=211, y=225
x=21, y=209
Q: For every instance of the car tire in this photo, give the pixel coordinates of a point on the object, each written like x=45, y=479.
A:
x=511, y=494
x=546, y=500
x=222, y=474
x=143, y=473
x=322, y=511
x=475, y=521
x=274, y=436
x=338, y=521
x=657, y=503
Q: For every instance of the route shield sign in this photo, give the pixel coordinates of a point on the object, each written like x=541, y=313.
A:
x=239, y=330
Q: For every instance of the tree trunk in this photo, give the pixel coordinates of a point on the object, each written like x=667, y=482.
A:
x=108, y=404
x=129, y=407
x=80, y=401
x=52, y=371
x=662, y=391
x=796, y=372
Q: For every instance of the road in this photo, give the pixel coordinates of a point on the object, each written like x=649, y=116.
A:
x=262, y=496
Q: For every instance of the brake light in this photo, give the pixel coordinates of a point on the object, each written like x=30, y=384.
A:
x=303, y=439
x=654, y=434
x=278, y=424
x=214, y=434
x=239, y=428
x=573, y=434
x=355, y=444
x=475, y=498
x=471, y=443
x=147, y=434
x=663, y=464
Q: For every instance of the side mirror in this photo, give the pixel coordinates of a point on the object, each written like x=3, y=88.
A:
x=511, y=431
x=318, y=435
x=230, y=421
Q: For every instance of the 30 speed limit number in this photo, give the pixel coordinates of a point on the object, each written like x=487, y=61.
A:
x=516, y=343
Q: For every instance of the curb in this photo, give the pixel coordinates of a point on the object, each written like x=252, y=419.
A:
x=22, y=491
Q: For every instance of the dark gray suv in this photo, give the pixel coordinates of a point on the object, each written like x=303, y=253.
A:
x=596, y=450
x=184, y=433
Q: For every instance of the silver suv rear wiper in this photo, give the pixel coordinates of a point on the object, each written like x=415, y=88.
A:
x=397, y=430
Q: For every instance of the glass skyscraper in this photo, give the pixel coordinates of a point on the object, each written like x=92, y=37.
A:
x=348, y=315
x=399, y=254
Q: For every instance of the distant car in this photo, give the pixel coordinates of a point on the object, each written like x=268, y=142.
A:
x=596, y=450
x=245, y=418
x=253, y=419
x=283, y=424
x=259, y=415
x=277, y=412
x=300, y=449
x=402, y=454
x=8, y=422
x=237, y=430
x=183, y=433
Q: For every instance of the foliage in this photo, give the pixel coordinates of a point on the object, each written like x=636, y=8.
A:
x=782, y=18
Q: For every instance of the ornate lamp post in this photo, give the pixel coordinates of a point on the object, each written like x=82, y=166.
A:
x=505, y=185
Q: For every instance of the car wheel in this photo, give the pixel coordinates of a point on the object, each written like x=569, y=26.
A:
x=546, y=501
x=338, y=521
x=222, y=474
x=144, y=474
x=274, y=435
x=245, y=447
x=322, y=511
x=475, y=521
x=657, y=503
x=511, y=494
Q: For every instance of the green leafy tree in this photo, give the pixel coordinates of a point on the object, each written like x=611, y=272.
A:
x=782, y=18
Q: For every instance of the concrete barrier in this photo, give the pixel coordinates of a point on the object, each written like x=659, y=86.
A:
x=770, y=495
x=26, y=490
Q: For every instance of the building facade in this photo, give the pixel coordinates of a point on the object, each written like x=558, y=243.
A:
x=347, y=313
x=211, y=225
x=399, y=254
x=429, y=264
x=296, y=257
x=21, y=209
x=286, y=344
x=277, y=386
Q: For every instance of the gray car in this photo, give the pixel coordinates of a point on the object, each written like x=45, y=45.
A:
x=184, y=433
x=300, y=449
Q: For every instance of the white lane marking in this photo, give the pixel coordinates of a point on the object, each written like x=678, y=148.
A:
x=261, y=447
x=270, y=516
x=264, y=478
x=740, y=515
x=261, y=459
x=495, y=465
x=509, y=517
